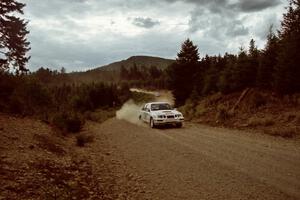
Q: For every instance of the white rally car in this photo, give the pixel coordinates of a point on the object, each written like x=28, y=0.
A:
x=160, y=113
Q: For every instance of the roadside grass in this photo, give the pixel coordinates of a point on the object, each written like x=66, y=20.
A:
x=68, y=122
x=100, y=115
x=258, y=121
x=222, y=114
x=200, y=110
x=287, y=132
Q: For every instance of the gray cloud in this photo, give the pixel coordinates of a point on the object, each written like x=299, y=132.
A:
x=216, y=25
x=256, y=5
x=145, y=22
x=217, y=6
x=89, y=33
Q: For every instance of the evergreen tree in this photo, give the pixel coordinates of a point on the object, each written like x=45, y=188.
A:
x=253, y=65
x=13, y=42
x=287, y=71
x=268, y=61
x=240, y=71
x=188, y=53
x=182, y=72
x=226, y=82
x=213, y=65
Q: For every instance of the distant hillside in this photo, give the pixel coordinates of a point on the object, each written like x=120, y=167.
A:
x=111, y=71
x=146, y=61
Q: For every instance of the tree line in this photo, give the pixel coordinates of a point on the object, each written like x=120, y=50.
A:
x=276, y=67
x=143, y=77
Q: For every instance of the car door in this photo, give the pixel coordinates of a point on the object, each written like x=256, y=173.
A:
x=143, y=112
x=147, y=113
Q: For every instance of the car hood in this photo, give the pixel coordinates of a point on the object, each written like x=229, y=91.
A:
x=166, y=112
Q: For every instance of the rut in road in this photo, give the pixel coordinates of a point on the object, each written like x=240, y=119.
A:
x=199, y=162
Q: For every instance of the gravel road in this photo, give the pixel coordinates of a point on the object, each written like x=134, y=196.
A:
x=200, y=162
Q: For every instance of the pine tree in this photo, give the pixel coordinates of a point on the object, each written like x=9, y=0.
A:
x=182, y=73
x=268, y=61
x=241, y=76
x=13, y=42
x=287, y=71
x=188, y=53
x=253, y=63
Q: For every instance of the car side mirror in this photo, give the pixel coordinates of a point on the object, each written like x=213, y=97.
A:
x=175, y=109
x=148, y=110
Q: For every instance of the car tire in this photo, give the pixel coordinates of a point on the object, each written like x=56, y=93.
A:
x=140, y=117
x=152, y=125
x=179, y=125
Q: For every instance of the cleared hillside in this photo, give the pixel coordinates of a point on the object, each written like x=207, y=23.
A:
x=110, y=72
x=146, y=61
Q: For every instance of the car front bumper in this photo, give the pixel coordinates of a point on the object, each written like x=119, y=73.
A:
x=168, y=121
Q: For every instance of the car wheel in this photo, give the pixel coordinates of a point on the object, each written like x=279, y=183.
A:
x=152, y=125
x=140, y=117
x=179, y=125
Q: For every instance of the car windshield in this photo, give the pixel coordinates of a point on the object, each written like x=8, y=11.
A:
x=162, y=106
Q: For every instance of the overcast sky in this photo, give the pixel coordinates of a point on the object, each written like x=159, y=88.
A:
x=84, y=34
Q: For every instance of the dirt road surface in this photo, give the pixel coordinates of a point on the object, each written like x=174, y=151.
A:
x=200, y=162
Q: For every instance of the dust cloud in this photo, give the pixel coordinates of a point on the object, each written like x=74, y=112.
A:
x=130, y=110
x=160, y=95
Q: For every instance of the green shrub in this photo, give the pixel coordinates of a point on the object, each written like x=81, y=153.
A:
x=256, y=121
x=100, y=115
x=68, y=122
x=74, y=124
x=188, y=109
x=282, y=132
x=222, y=114
x=256, y=100
x=200, y=110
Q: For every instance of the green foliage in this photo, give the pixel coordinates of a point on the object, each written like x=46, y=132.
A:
x=268, y=60
x=181, y=74
x=256, y=100
x=256, y=121
x=285, y=132
x=222, y=114
x=13, y=42
x=287, y=70
x=143, y=77
x=64, y=104
x=68, y=122
x=100, y=115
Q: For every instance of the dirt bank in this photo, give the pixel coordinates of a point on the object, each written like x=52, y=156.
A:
x=37, y=162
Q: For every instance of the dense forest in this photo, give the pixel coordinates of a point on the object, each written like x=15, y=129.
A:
x=276, y=67
x=150, y=78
